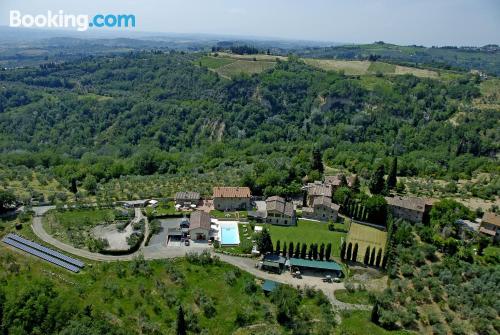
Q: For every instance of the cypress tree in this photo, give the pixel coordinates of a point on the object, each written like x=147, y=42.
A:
x=379, y=258
x=321, y=252
x=367, y=256
x=317, y=160
x=355, y=184
x=303, y=251
x=342, y=251
x=278, y=247
x=297, y=251
x=377, y=182
x=372, y=257
x=355, y=253
x=181, y=323
x=284, y=249
x=290, y=250
x=349, y=252
x=315, y=251
x=309, y=254
x=392, y=176
x=328, y=251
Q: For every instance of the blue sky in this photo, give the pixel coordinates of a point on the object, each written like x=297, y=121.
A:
x=426, y=22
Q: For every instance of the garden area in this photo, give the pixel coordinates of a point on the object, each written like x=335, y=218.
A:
x=307, y=232
x=246, y=245
x=164, y=208
x=228, y=215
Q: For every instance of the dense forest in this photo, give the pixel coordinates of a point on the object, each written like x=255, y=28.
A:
x=143, y=113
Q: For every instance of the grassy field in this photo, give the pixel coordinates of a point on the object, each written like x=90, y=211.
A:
x=244, y=66
x=142, y=295
x=163, y=208
x=307, y=232
x=225, y=215
x=356, y=297
x=74, y=226
x=358, y=323
x=365, y=67
x=379, y=67
x=366, y=236
x=215, y=62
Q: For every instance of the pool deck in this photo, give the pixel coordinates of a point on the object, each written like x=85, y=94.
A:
x=227, y=224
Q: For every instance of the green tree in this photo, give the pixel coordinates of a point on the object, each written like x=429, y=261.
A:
x=355, y=186
x=377, y=182
x=90, y=184
x=7, y=200
x=392, y=176
x=290, y=250
x=317, y=160
x=264, y=242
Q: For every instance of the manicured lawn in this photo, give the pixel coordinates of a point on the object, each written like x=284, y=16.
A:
x=358, y=323
x=356, y=297
x=225, y=215
x=163, y=208
x=307, y=232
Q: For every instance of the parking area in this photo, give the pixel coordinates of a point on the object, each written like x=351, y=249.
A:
x=161, y=237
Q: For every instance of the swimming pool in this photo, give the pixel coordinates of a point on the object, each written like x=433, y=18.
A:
x=229, y=234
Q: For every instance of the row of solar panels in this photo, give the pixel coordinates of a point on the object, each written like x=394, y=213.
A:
x=48, y=251
x=41, y=251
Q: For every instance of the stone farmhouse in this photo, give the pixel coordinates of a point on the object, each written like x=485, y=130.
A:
x=490, y=226
x=412, y=209
x=322, y=209
x=280, y=212
x=231, y=198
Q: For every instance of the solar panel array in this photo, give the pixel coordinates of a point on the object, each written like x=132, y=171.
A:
x=48, y=251
x=44, y=253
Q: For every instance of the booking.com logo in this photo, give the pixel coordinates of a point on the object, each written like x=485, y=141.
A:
x=81, y=22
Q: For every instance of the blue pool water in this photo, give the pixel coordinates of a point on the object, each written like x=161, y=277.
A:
x=229, y=234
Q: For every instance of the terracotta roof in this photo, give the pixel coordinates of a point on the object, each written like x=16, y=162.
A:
x=187, y=195
x=231, y=192
x=412, y=203
x=325, y=201
x=315, y=189
x=199, y=219
x=487, y=231
x=491, y=218
x=337, y=179
x=280, y=205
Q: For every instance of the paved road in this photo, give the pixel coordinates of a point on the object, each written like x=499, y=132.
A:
x=162, y=252
x=149, y=252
